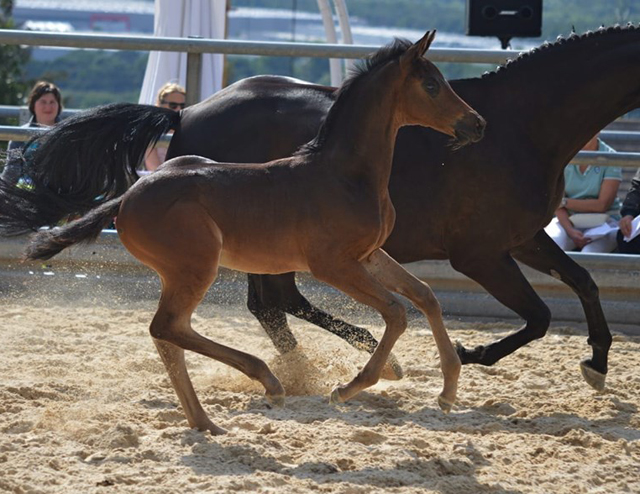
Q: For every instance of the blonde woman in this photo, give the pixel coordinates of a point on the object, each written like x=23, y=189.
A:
x=172, y=96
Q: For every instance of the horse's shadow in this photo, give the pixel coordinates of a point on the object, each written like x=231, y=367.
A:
x=372, y=409
x=428, y=474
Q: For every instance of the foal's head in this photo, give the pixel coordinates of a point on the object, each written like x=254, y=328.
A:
x=428, y=99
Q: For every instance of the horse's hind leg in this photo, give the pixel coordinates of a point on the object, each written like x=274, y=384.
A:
x=502, y=278
x=263, y=299
x=270, y=296
x=399, y=280
x=544, y=255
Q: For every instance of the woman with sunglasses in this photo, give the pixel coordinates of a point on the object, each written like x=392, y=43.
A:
x=172, y=96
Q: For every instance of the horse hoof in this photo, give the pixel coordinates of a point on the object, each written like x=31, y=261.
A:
x=445, y=405
x=275, y=400
x=217, y=431
x=392, y=370
x=213, y=429
x=594, y=378
x=335, y=397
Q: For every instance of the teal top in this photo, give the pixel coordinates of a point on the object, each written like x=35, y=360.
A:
x=578, y=185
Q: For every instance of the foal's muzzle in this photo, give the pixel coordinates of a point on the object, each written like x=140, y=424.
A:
x=469, y=129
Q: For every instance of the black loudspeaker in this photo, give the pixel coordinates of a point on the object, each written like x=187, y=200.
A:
x=504, y=19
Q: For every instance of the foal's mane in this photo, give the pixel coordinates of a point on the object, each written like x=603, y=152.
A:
x=561, y=43
x=387, y=53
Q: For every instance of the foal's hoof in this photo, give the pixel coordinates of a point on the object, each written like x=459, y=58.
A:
x=594, y=378
x=207, y=425
x=275, y=400
x=392, y=370
x=217, y=431
x=445, y=405
x=335, y=397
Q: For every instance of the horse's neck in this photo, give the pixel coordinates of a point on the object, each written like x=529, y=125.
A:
x=554, y=103
x=360, y=142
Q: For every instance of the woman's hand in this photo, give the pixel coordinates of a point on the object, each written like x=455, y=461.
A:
x=625, y=225
x=578, y=238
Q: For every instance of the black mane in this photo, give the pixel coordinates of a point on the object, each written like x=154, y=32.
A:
x=561, y=42
x=391, y=51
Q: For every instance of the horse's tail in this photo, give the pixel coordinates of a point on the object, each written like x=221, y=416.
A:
x=47, y=243
x=84, y=160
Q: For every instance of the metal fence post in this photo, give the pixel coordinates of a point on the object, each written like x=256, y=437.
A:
x=194, y=77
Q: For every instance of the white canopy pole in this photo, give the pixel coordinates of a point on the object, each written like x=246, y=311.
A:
x=345, y=28
x=181, y=19
x=330, y=30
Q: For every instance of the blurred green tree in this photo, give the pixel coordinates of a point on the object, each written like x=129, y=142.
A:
x=13, y=59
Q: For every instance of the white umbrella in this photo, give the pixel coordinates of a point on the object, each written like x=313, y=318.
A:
x=181, y=19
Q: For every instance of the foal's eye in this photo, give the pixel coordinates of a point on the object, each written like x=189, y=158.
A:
x=431, y=86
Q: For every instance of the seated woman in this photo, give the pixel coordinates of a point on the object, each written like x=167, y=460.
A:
x=630, y=211
x=45, y=105
x=588, y=189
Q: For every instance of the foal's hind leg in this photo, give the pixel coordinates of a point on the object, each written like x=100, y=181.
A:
x=182, y=244
x=173, y=358
x=397, y=279
x=181, y=294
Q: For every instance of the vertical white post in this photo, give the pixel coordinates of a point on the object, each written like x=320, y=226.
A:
x=330, y=30
x=345, y=28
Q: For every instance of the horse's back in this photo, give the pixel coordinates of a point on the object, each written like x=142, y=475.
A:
x=284, y=113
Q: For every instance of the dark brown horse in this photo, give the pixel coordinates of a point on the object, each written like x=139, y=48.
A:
x=490, y=200
x=325, y=210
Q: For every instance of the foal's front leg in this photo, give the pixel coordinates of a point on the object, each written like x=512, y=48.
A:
x=351, y=277
x=397, y=279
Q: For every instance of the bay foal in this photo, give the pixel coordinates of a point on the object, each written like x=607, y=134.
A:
x=325, y=210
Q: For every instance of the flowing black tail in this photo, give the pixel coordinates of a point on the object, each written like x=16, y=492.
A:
x=47, y=243
x=83, y=161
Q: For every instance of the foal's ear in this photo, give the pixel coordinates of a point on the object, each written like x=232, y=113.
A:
x=419, y=48
x=424, y=43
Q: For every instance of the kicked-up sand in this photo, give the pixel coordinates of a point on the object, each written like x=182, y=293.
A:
x=86, y=407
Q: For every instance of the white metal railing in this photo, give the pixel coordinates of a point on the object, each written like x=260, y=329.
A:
x=195, y=47
x=11, y=133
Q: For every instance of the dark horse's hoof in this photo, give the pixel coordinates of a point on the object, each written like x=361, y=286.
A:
x=470, y=356
x=594, y=378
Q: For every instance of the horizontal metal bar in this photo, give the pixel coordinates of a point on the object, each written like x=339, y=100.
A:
x=596, y=158
x=8, y=132
x=235, y=47
x=8, y=111
x=11, y=133
x=610, y=136
x=615, y=136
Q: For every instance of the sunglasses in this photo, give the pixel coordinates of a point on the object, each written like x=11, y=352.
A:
x=172, y=105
